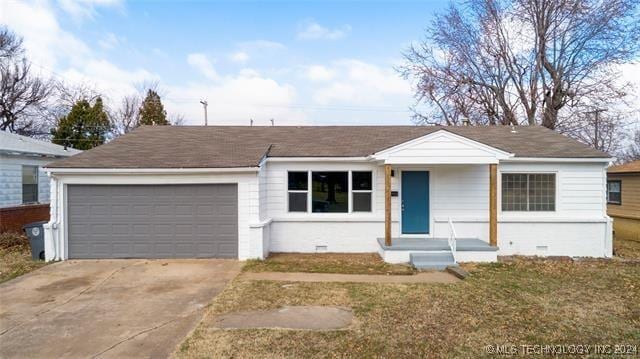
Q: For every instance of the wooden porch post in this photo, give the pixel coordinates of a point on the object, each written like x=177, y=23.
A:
x=493, y=204
x=387, y=205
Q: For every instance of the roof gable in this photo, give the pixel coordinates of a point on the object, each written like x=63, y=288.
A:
x=441, y=147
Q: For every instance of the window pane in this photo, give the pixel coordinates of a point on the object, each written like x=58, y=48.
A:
x=298, y=181
x=29, y=193
x=361, y=181
x=297, y=202
x=613, y=192
x=362, y=202
x=330, y=192
x=542, y=192
x=614, y=197
x=514, y=192
x=29, y=184
x=29, y=175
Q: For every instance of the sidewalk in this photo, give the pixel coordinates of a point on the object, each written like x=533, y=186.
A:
x=426, y=277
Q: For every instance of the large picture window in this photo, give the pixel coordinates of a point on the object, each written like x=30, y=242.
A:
x=330, y=191
x=29, y=184
x=614, y=192
x=530, y=192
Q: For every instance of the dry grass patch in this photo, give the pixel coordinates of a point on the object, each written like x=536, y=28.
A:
x=626, y=249
x=15, y=256
x=520, y=302
x=360, y=263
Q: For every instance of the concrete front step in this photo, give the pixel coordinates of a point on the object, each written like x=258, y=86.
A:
x=436, y=260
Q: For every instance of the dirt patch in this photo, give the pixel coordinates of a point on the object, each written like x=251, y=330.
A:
x=300, y=317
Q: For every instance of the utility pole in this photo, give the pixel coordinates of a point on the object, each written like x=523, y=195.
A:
x=204, y=104
x=597, y=112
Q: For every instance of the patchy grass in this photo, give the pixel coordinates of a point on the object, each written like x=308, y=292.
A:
x=15, y=256
x=626, y=249
x=520, y=302
x=361, y=263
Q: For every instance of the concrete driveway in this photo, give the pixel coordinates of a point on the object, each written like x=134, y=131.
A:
x=107, y=308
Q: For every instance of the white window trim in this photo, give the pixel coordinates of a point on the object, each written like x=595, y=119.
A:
x=307, y=191
x=350, y=193
x=353, y=191
x=527, y=172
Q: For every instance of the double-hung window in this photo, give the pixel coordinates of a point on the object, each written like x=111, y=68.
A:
x=362, y=187
x=29, y=184
x=528, y=192
x=614, y=192
x=298, y=190
x=329, y=191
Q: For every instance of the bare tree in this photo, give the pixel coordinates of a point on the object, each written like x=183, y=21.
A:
x=632, y=152
x=523, y=61
x=125, y=117
x=23, y=94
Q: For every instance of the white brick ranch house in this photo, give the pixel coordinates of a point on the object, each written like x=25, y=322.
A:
x=432, y=195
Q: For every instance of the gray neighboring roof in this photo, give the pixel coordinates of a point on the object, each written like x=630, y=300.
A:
x=13, y=144
x=243, y=146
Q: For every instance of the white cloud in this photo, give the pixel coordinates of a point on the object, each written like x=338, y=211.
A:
x=240, y=57
x=236, y=99
x=363, y=84
x=202, y=64
x=109, y=41
x=86, y=9
x=319, y=73
x=311, y=30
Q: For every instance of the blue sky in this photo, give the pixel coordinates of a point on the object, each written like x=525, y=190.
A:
x=303, y=62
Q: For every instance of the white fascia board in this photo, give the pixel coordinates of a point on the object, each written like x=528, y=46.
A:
x=500, y=154
x=318, y=159
x=559, y=159
x=444, y=161
x=149, y=170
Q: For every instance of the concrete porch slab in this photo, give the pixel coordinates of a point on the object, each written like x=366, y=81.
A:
x=436, y=244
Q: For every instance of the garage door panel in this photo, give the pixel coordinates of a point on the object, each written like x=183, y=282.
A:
x=153, y=221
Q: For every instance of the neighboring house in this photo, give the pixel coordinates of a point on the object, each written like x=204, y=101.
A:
x=22, y=180
x=623, y=198
x=24, y=186
x=405, y=192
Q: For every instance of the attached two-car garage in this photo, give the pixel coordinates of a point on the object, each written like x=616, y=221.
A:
x=152, y=221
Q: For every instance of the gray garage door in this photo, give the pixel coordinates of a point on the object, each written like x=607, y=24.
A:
x=153, y=221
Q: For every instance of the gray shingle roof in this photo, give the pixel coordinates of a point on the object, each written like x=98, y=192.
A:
x=242, y=146
x=17, y=144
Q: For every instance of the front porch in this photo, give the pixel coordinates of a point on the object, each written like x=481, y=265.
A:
x=436, y=188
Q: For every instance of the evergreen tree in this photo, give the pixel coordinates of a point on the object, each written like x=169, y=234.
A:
x=152, y=111
x=85, y=126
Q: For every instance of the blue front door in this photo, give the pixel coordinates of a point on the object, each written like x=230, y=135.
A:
x=415, y=202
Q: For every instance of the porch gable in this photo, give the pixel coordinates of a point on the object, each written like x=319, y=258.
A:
x=441, y=147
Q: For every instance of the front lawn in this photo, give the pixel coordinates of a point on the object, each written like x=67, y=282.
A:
x=520, y=302
x=15, y=256
x=359, y=263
